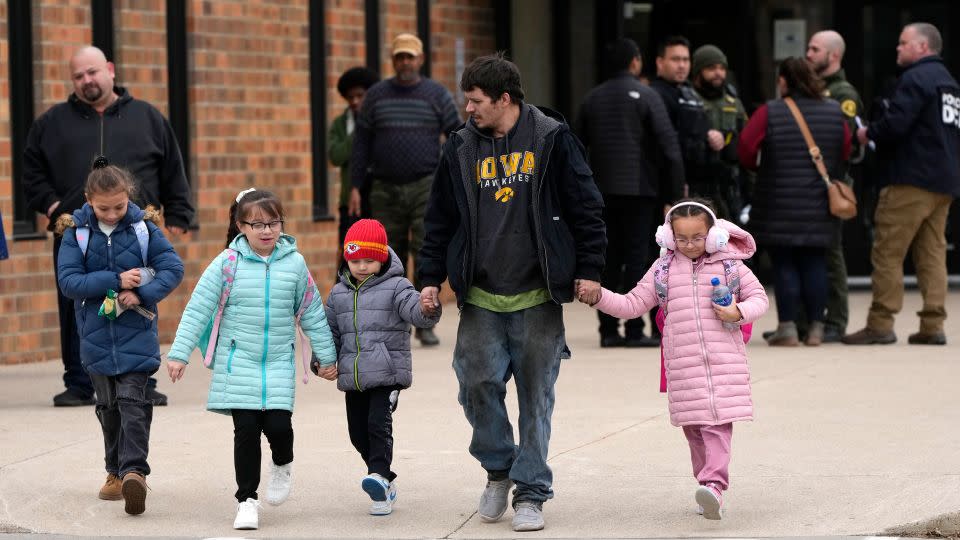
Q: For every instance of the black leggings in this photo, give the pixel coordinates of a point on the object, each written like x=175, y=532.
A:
x=247, y=427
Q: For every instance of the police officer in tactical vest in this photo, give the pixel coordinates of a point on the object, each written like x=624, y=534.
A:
x=686, y=109
x=824, y=54
x=725, y=114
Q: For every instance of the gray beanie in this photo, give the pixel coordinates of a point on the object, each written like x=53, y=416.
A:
x=706, y=56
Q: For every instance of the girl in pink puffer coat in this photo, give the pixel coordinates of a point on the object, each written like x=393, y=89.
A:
x=708, y=379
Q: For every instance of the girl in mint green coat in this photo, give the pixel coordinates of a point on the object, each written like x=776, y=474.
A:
x=266, y=282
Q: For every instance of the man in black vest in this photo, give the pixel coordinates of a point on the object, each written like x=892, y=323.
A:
x=627, y=132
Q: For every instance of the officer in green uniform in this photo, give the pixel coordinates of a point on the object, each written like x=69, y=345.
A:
x=726, y=114
x=825, y=53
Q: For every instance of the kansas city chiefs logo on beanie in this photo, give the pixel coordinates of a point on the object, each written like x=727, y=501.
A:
x=366, y=239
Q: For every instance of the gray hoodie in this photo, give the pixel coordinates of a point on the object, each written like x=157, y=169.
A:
x=371, y=327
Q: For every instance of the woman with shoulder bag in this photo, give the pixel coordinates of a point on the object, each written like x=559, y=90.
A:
x=791, y=213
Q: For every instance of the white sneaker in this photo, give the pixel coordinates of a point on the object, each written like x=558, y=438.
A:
x=376, y=487
x=710, y=498
x=493, y=502
x=528, y=517
x=247, y=515
x=385, y=508
x=280, y=481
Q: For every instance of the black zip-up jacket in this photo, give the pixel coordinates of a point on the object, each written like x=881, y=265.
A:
x=629, y=135
x=566, y=212
x=64, y=141
x=918, y=130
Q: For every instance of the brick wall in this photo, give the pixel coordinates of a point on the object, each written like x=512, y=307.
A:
x=250, y=122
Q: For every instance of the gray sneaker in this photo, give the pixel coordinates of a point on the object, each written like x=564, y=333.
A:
x=528, y=517
x=493, y=502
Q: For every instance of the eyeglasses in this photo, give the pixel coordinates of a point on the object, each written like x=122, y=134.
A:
x=692, y=242
x=259, y=226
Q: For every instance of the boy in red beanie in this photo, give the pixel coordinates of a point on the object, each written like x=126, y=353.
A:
x=370, y=311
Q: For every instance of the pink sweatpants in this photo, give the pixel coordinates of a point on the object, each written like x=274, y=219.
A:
x=710, y=453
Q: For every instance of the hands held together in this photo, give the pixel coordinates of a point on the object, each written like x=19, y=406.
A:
x=587, y=291
x=430, y=300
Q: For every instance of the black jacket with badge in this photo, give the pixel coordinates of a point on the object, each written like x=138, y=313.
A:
x=918, y=131
x=686, y=111
x=566, y=211
x=64, y=141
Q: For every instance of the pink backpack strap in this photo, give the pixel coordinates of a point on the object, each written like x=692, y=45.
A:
x=309, y=295
x=228, y=273
x=661, y=272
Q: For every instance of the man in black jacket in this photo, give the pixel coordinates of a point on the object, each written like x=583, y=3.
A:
x=628, y=135
x=698, y=141
x=514, y=219
x=100, y=121
x=917, y=138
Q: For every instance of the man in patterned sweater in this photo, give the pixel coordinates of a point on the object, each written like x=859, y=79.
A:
x=398, y=141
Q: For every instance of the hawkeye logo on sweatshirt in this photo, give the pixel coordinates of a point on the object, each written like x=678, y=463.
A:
x=496, y=175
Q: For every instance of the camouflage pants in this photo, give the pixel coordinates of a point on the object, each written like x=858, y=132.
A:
x=400, y=208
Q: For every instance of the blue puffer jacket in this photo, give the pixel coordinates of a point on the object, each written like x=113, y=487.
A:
x=130, y=343
x=254, y=366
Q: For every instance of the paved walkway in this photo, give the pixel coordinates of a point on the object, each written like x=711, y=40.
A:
x=847, y=441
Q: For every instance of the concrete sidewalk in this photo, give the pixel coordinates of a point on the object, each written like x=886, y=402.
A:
x=847, y=441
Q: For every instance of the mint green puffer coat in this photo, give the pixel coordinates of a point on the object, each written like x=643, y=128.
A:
x=255, y=363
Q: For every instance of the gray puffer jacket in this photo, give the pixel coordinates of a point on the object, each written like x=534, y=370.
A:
x=371, y=327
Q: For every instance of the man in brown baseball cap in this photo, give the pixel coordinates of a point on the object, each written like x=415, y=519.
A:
x=407, y=43
x=396, y=149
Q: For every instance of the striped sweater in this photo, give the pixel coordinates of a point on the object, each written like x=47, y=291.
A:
x=398, y=131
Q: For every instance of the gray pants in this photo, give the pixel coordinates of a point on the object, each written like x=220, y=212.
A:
x=125, y=416
x=491, y=348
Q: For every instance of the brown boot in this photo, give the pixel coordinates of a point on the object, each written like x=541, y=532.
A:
x=869, y=336
x=785, y=336
x=134, y=491
x=814, y=334
x=920, y=338
x=111, y=489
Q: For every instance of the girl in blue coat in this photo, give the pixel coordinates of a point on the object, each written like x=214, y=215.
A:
x=110, y=244
x=266, y=284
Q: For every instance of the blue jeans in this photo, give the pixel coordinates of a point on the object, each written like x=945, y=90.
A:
x=800, y=274
x=125, y=416
x=491, y=348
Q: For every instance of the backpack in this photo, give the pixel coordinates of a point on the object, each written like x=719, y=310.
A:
x=208, y=339
x=143, y=238
x=662, y=271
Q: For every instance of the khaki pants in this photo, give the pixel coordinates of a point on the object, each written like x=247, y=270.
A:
x=907, y=214
x=400, y=208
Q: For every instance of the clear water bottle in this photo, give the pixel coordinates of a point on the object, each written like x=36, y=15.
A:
x=722, y=297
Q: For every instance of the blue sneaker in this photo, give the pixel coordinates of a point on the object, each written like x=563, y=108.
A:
x=385, y=508
x=376, y=487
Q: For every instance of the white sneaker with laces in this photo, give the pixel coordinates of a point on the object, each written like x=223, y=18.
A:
x=385, y=507
x=493, y=502
x=280, y=481
x=528, y=516
x=247, y=515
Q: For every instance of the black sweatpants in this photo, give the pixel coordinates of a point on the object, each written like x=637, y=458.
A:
x=247, y=427
x=370, y=422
